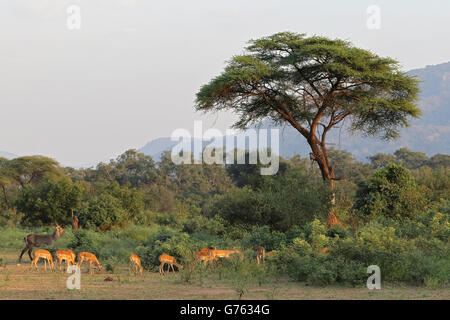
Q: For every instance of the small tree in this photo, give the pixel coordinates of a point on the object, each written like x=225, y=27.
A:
x=48, y=202
x=313, y=84
x=391, y=192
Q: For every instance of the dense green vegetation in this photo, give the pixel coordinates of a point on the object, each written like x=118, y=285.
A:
x=394, y=217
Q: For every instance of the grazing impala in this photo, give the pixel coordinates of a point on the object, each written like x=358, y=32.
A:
x=37, y=240
x=67, y=255
x=46, y=255
x=225, y=253
x=165, y=258
x=87, y=256
x=135, y=261
x=260, y=254
x=204, y=255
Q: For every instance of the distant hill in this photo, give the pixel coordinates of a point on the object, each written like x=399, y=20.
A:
x=429, y=134
x=7, y=155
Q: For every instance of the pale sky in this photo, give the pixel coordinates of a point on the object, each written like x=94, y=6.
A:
x=130, y=74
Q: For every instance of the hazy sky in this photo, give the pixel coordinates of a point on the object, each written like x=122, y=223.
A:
x=131, y=72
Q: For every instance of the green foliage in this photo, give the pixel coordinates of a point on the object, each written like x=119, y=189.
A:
x=285, y=201
x=166, y=241
x=49, y=202
x=263, y=236
x=198, y=223
x=436, y=181
x=9, y=218
x=103, y=211
x=324, y=270
x=32, y=169
x=410, y=159
x=391, y=192
x=114, y=246
x=317, y=236
x=301, y=247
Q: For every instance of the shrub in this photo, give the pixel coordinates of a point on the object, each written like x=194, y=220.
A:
x=102, y=212
x=313, y=270
x=326, y=270
x=213, y=226
x=391, y=192
x=283, y=259
x=301, y=247
x=10, y=219
x=262, y=236
x=166, y=241
x=317, y=235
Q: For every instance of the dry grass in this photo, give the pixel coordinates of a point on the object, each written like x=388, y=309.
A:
x=19, y=282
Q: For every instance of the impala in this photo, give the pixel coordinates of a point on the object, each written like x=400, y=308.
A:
x=225, y=253
x=260, y=254
x=204, y=255
x=87, y=256
x=135, y=262
x=37, y=240
x=46, y=255
x=67, y=255
x=165, y=258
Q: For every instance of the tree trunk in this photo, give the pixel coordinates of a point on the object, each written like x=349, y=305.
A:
x=321, y=157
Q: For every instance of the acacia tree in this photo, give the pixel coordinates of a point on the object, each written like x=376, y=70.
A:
x=23, y=171
x=30, y=169
x=313, y=84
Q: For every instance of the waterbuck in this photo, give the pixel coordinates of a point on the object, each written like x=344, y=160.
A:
x=37, y=240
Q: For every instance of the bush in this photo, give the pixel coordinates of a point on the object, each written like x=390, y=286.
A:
x=102, y=212
x=313, y=270
x=166, y=241
x=213, y=226
x=105, y=246
x=301, y=247
x=262, y=236
x=48, y=202
x=391, y=192
x=283, y=259
x=10, y=219
x=326, y=270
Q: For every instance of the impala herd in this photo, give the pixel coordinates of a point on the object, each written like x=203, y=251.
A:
x=205, y=255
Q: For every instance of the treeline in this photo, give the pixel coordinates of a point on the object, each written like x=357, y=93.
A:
x=134, y=188
x=394, y=213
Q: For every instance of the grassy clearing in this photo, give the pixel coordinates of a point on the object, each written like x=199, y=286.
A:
x=19, y=282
